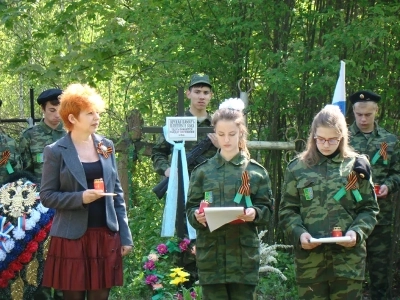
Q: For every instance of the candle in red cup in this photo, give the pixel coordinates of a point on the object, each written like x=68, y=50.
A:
x=203, y=204
x=99, y=184
x=377, y=187
x=336, y=232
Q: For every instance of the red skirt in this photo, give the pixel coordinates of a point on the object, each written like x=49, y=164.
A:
x=91, y=262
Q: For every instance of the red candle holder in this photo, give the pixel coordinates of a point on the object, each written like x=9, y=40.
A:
x=377, y=187
x=203, y=204
x=336, y=232
x=99, y=184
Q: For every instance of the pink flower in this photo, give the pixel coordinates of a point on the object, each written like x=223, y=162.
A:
x=162, y=249
x=193, y=294
x=149, y=265
x=151, y=279
x=183, y=245
x=179, y=296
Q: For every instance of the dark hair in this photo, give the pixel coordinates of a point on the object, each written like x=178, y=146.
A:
x=54, y=102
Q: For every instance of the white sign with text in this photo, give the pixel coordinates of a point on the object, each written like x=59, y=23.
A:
x=182, y=128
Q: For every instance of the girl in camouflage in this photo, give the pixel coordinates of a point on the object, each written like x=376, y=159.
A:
x=322, y=190
x=228, y=257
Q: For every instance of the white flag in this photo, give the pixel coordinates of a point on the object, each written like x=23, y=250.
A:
x=339, y=97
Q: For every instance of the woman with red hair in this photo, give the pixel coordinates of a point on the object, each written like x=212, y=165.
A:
x=90, y=232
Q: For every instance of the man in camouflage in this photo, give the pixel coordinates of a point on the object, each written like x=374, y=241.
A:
x=382, y=148
x=200, y=94
x=10, y=160
x=50, y=129
x=32, y=143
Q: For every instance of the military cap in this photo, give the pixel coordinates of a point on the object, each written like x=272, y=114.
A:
x=48, y=95
x=362, y=96
x=198, y=79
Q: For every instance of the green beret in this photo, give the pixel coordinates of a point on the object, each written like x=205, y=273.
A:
x=362, y=96
x=199, y=79
x=48, y=95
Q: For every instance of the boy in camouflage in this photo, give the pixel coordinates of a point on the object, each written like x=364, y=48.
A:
x=383, y=149
x=200, y=94
x=10, y=160
x=228, y=258
x=50, y=129
x=322, y=190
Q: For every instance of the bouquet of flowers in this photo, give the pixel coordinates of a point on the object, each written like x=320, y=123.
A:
x=163, y=277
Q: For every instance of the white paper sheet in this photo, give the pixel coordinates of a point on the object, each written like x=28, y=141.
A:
x=331, y=239
x=219, y=216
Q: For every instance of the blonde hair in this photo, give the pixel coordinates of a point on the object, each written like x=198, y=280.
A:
x=77, y=97
x=330, y=117
x=366, y=104
x=229, y=114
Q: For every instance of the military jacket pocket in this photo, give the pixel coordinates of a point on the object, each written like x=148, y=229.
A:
x=206, y=254
x=250, y=252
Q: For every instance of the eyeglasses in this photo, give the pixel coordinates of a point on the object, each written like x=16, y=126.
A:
x=321, y=141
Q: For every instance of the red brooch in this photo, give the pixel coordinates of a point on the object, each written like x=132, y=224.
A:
x=103, y=150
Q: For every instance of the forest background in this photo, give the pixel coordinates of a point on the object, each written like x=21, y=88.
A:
x=137, y=53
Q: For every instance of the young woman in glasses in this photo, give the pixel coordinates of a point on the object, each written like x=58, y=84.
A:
x=328, y=191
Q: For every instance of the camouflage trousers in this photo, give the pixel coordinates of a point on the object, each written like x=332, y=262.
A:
x=228, y=291
x=379, y=244
x=337, y=289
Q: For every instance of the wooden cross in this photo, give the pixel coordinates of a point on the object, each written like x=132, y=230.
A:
x=180, y=213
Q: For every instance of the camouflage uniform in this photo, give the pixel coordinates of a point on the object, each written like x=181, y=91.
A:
x=230, y=254
x=8, y=144
x=308, y=205
x=163, y=149
x=32, y=143
x=379, y=242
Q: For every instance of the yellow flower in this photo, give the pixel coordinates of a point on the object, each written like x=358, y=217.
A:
x=178, y=280
x=176, y=270
x=179, y=276
x=183, y=274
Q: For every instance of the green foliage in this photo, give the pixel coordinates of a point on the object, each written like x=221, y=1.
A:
x=272, y=287
x=137, y=53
